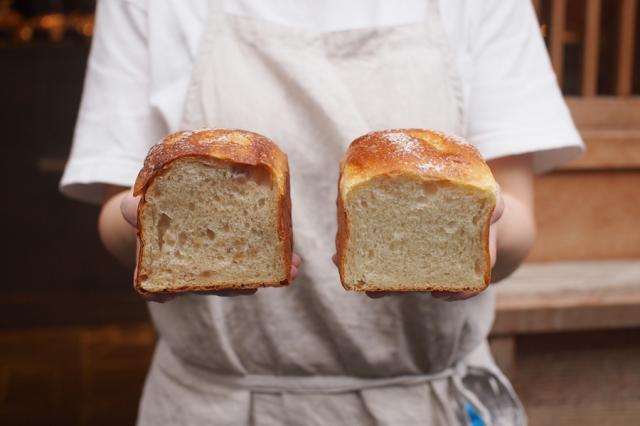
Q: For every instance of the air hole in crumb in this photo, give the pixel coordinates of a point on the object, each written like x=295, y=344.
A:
x=210, y=234
x=370, y=254
x=261, y=202
x=364, y=203
x=163, y=224
x=182, y=238
x=206, y=274
x=239, y=173
x=226, y=227
x=430, y=187
x=479, y=267
x=449, y=227
x=192, y=206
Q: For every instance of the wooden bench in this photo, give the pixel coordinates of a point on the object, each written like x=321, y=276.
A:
x=567, y=334
x=564, y=296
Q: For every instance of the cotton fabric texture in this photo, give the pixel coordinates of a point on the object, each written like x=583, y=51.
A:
x=143, y=53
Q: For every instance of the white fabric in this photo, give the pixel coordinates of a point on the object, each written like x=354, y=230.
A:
x=143, y=54
x=313, y=352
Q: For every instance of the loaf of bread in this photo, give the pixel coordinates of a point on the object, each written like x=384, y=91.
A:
x=214, y=213
x=414, y=210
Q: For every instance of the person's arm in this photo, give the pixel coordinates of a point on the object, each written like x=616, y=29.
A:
x=516, y=229
x=117, y=235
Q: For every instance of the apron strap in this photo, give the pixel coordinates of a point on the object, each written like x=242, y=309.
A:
x=440, y=383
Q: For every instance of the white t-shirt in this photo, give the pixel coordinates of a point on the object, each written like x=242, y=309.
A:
x=143, y=52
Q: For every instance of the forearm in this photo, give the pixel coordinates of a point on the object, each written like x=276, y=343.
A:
x=515, y=236
x=516, y=228
x=117, y=235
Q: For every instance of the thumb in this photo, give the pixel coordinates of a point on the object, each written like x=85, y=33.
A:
x=129, y=208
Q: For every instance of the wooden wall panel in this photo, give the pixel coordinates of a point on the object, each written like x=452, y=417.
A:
x=626, y=40
x=586, y=378
x=609, y=150
x=587, y=215
x=556, y=45
x=605, y=112
x=591, y=47
x=73, y=375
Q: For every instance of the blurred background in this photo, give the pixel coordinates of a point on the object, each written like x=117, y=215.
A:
x=75, y=340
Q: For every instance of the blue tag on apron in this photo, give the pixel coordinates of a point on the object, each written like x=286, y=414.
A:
x=474, y=418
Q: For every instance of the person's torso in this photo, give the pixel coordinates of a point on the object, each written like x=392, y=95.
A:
x=175, y=30
x=312, y=93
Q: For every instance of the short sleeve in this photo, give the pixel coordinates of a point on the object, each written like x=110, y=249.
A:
x=515, y=104
x=115, y=125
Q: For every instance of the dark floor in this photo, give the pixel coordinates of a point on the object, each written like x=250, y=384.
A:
x=94, y=376
x=587, y=378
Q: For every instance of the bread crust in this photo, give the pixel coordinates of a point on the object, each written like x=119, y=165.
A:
x=235, y=146
x=427, y=154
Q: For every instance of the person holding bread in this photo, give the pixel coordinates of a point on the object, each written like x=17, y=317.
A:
x=312, y=77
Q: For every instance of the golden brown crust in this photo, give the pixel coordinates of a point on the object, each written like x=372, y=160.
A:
x=427, y=154
x=210, y=288
x=238, y=146
x=286, y=230
x=487, y=272
x=231, y=145
x=341, y=236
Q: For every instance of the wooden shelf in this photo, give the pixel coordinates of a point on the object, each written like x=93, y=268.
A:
x=569, y=296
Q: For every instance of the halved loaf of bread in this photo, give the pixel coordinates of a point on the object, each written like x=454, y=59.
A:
x=414, y=210
x=214, y=213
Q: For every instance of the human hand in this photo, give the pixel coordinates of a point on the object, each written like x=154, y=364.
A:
x=451, y=296
x=129, y=209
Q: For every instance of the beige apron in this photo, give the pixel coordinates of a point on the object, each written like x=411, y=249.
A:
x=312, y=353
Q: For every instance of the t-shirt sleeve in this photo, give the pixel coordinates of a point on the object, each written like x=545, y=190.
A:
x=115, y=125
x=515, y=104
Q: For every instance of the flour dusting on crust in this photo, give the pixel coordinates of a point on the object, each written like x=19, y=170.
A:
x=403, y=142
x=431, y=167
x=453, y=138
x=222, y=136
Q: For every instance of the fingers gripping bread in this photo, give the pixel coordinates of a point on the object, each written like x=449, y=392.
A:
x=214, y=213
x=414, y=210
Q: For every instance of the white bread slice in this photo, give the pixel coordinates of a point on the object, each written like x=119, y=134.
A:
x=414, y=210
x=214, y=214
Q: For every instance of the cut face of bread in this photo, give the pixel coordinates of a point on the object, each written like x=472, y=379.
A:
x=210, y=224
x=405, y=233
